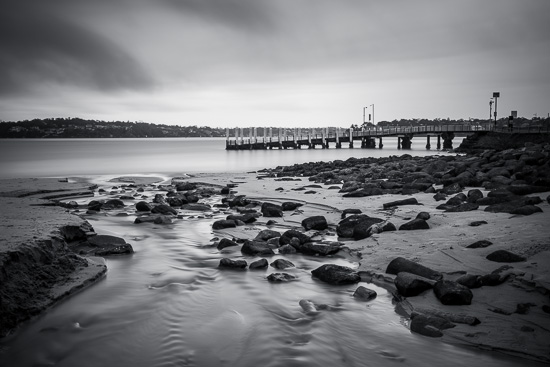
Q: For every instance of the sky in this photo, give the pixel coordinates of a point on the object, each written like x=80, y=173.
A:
x=295, y=63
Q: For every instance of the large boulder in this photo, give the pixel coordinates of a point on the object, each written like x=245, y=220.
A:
x=317, y=223
x=474, y=195
x=408, y=201
x=452, y=293
x=280, y=277
x=267, y=234
x=400, y=264
x=452, y=189
x=271, y=210
x=429, y=325
x=256, y=248
x=526, y=189
x=143, y=206
x=290, y=205
x=414, y=224
x=258, y=264
x=336, y=274
x=245, y=218
x=410, y=285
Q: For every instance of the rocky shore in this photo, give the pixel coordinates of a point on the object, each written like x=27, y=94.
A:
x=460, y=241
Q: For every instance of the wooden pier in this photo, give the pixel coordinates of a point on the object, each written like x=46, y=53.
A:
x=369, y=138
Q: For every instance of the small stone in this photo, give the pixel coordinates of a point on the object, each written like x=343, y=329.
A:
x=259, y=264
x=280, y=277
x=282, y=264
x=364, y=294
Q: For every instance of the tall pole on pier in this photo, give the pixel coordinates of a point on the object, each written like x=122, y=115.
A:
x=372, y=114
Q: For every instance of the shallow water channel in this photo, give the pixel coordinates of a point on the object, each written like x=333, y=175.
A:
x=169, y=304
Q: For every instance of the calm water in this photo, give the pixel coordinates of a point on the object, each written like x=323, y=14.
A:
x=74, y=157
x=169, y=305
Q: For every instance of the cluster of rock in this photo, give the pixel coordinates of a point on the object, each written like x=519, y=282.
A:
x=413, y=279
x=509, y=175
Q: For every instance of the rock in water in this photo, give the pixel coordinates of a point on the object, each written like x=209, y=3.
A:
x=254, y=248
x=290, y=234
x=336, y=274
x=364, y=293
x=259, y=264
x=410, y=285
x=282, y=264
x=164, y=209
x=400, y=264
x=480, y=244
x=224, y=242
x=280, y=277
x=234, y=264
x=452, y=293
x=224, y=223
x=318, y=223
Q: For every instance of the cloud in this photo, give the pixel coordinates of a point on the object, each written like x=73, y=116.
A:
x=42, y=46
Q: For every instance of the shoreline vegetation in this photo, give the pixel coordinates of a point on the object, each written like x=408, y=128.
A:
x=461, y=242
x=55, y=128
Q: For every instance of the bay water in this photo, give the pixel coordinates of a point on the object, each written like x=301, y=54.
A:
x=169, y=304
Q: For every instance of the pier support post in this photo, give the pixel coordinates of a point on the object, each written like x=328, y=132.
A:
x=380, y=145
x=448, y=140
x=351, y=138
x=323, y=139
x=398, y=142
x=428, y=146
x=406, y=141
x=338, y=144
x=438, y=142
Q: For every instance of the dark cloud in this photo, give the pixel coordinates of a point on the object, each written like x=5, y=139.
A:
x=41, y=46
x=247, y=15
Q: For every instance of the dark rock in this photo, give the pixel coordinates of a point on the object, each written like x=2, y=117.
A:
x=234, y=264
x=267, y=234
x=414, y=225
x=400, y=264
x=452, y=293
x=471, y=281
x=114, y=203
x=408, y=201
x=492, y=279
x=388, y=226
x=410, y=285
x=164, y=209
x=526, y=210
x=317, y=222
x=175, y=201
x=282, y=264
x=480, y=244
x=474, y=195
x=255, y=248
x=356, y=226
x=270, y=222
x=226, y=243
x=186, y=186
x=503, y=256
x=291, y=233
x=143, y=206
x=105, y=245
x=240, y=200
x=272, y=210
x=318, y=249
x=357, y=211
x=287, y=249
x=440, y=196
x=259, y=264
x=289, y=205
x=163, y=219
x=245, y=218
x=224, y=223
x=456, y=200
x=477, y=223
x=336, y=274
x=465, y=207
x=280, y=277
x=197, y=207
x=526, y=189
x=452, y=189
x=365, y=228
x=423, y=215
x=429, y=325
x=364, y=294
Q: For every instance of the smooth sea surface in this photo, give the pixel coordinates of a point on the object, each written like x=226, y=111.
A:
x=169, y=304
x=166, y=156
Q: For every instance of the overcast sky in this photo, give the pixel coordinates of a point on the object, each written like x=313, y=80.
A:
x=272, y=62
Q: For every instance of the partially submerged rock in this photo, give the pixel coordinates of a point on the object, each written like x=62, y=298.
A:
x=336, y=274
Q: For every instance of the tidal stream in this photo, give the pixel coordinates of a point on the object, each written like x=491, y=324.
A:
x=169, y=304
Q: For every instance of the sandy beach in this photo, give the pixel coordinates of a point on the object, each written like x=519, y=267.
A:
x=510, y=316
